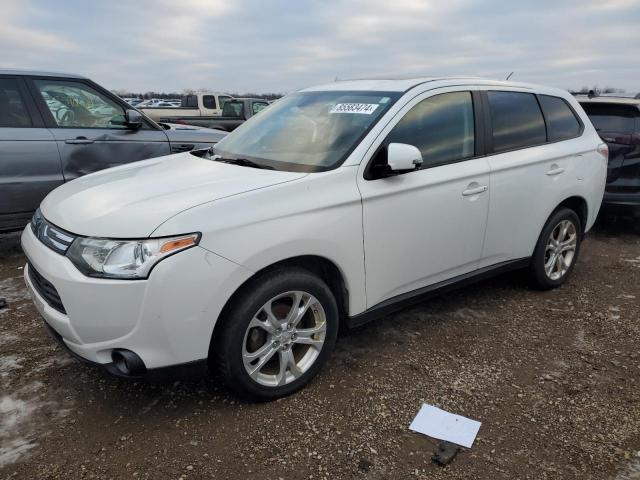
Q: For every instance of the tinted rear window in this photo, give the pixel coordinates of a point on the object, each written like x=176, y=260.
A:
x=561, y=121
x=612, y=118
x=516, y=119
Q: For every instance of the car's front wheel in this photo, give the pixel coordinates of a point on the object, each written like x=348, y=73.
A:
x=557, y=249
x=276, y=334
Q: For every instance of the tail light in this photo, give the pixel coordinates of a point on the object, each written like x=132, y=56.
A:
x=603, y=150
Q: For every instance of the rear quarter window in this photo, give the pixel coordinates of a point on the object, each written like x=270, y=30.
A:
x=562, y=123
x=516, y=120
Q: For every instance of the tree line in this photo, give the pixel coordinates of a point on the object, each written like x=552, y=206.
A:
x=165, y=95
x=597, y=90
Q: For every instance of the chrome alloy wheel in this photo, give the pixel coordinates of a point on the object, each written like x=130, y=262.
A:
x=560, y=250
x=284, y=338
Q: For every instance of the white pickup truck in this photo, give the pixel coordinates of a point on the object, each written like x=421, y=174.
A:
x=201, y=104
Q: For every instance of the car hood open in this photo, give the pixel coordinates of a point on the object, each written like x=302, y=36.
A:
x=132, y=200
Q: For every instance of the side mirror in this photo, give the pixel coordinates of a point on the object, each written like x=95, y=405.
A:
x=133, y=119
x=403, y=157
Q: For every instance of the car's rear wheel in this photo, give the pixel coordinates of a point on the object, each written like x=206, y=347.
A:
x=277, y=333
x=557, y=249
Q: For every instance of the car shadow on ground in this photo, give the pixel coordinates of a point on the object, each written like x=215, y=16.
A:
x=617, y=221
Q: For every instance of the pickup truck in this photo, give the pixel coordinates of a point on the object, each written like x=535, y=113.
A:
x=196, y=105
x=234, y=113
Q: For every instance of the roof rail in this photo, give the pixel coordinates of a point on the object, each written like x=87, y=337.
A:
x=404, y=77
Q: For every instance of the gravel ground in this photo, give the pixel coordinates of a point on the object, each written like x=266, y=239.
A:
x=552, y=376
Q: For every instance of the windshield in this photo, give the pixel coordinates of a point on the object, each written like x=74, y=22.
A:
x=312, y=131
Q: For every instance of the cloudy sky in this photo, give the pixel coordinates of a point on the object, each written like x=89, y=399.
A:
x=280, y=45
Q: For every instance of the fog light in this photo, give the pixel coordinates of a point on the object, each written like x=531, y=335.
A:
x=127, y=363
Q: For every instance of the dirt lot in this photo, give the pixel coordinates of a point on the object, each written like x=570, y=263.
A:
x=554, y=378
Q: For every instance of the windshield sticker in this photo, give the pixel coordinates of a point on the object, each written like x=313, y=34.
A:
x=363, y=108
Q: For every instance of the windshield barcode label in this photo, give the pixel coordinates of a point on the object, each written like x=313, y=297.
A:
x=364, y=108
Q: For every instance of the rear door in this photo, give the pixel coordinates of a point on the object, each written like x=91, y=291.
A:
x=88, y=125
x=532, y=167
x=29, y=159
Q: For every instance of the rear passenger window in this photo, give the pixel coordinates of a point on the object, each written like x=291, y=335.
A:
x=561, y=121
x=441, y=127
x=209, y=101
x=13, y=113
x=516, y=119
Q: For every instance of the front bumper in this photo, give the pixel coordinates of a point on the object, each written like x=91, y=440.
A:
x=166, y=320
x=190, y=370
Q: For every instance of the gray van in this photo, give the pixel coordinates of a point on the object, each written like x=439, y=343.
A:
x=56, y=127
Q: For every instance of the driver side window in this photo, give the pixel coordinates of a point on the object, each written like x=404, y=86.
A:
x=75, y=104
x=441, y=127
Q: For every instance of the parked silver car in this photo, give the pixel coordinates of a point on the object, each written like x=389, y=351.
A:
x=56, y=127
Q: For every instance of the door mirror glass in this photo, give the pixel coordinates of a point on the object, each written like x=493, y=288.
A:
x=133, y=119
x=403, y=157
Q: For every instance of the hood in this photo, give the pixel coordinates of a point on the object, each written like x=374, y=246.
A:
x=178, y=133
x=132, y=200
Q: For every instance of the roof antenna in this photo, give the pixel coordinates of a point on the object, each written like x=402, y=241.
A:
x=508, y=76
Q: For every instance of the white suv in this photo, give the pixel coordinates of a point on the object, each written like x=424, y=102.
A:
x=337, y=204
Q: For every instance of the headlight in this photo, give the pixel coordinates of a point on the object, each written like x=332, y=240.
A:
x=128, y=259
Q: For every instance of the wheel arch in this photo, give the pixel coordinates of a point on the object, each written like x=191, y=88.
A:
x=579, y=205
x=324, y=268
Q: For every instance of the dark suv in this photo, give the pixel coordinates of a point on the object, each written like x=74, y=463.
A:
x=617, y=120
x=56, y=127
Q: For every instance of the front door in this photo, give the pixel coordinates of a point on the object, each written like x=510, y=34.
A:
x=427, y=225
x=89, y=128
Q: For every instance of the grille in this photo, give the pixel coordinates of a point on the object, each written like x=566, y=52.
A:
x=46, y=289
x=53, y=237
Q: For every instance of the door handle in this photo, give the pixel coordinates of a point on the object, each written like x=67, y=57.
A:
x=79, y=141
x=474, y=190
x=555, y=170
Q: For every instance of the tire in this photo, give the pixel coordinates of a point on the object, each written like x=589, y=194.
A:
x=249, y=335
x=543, y=277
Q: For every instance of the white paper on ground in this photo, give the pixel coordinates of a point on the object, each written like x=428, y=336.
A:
x=446, y=426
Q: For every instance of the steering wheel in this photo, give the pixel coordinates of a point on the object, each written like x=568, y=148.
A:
x=67, y=117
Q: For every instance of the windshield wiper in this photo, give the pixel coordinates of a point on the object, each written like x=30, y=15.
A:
x=243, y=162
